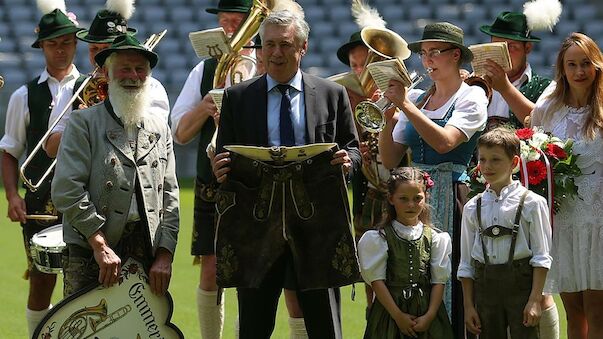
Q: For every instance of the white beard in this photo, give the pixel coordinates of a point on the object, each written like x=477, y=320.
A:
x=130, y=105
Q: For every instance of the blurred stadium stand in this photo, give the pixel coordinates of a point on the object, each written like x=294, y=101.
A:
x=330, y=22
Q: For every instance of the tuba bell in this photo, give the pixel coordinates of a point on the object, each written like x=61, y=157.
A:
x=382, y=44
x=96, y=90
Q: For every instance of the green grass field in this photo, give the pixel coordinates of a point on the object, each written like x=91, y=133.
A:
x=13, y=291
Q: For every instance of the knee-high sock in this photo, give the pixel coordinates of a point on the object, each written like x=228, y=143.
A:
x=549, y=323
x=211, y=314
x=34, y=318
x=297, y=326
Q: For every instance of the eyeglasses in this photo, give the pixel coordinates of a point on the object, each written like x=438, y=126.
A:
x=433, y=53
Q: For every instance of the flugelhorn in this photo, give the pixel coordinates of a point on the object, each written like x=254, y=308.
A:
x=370, y=115
x=150, y=43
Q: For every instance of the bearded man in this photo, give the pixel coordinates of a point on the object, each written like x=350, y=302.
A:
x=116, y=184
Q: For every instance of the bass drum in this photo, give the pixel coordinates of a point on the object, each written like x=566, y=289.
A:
x=47, y=248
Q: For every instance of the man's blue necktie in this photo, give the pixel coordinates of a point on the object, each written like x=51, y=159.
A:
x=286, y=125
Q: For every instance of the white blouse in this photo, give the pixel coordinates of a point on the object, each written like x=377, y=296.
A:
x=469, y=116
x=373, y=252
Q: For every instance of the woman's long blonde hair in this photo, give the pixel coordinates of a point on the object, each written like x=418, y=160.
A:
x=561, y=95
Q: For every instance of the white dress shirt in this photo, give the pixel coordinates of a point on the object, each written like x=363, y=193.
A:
x=533, y=237
x=373, y=252
x=298, y=109
x=190, y=95
x=498, y=106
x=14, y=140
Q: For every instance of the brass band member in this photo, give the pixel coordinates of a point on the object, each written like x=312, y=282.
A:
x=116, y=181
x=195, y=113
x=27, y=118
x=369, y=201
x=108, y=23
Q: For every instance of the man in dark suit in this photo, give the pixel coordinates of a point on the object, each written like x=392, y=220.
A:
x=252, y=114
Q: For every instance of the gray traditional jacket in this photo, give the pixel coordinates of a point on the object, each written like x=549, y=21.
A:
x=97, y=172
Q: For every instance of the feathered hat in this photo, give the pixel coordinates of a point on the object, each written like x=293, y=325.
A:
x=55, y=21
x=365, y=16
x=538, y=15
x=110, y=22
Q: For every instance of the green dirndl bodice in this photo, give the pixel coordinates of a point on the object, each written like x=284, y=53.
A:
x=408, y=281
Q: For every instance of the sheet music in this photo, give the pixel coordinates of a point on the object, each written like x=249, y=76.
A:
x=348, y=80
x=210, y=43
x=496, y=51
x=386, y=70
x=217, y=95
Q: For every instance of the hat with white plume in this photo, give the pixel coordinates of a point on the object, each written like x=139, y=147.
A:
x=55, y=21
x=538, y=15
x=365, y=16
x=109, y=22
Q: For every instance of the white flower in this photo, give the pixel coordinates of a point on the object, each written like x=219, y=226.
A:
x=557, y=141
x=480, y=178
x=528, y=152
x=538, y=140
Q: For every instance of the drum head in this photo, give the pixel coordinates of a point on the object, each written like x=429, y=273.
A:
x=52, y=237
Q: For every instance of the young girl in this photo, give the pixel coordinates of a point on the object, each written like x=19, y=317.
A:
x=573, y=108
x=407, y=264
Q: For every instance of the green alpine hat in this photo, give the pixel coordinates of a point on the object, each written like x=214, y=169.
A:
x=510, y=25
x=53, y=25
x=443, y=32
x=105, y=27
x=344, y=50
x=233, y=6
x=123, y=43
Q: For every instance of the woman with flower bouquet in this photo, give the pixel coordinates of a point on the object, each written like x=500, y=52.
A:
x=572, y=107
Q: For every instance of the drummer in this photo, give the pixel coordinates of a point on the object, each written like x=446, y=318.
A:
x=26, y=121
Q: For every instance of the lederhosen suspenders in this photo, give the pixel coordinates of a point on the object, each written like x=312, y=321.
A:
x=496, y=231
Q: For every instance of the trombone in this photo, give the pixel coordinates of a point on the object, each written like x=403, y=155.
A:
x=150, y=43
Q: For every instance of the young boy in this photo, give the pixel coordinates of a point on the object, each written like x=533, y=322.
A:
x=505, y=241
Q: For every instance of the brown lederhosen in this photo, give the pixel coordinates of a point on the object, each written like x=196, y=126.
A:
x=263, y=208
x=502, y=290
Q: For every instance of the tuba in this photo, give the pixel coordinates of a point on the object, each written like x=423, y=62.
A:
x=483, y=83
x=234, y=63
x=228, y=63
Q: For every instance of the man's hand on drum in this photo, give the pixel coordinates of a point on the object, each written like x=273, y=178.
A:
x=219, y=164
x=161, y=271
x=16, y=209
x=109, y=263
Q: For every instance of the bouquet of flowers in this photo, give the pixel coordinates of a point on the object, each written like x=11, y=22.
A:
x=548, y=164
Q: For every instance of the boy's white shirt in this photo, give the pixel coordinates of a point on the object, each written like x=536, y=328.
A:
x=373, y=252
x=533, y=238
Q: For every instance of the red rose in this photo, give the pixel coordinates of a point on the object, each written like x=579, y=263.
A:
x=555, y=151
x=524, y=133
x=536, y=172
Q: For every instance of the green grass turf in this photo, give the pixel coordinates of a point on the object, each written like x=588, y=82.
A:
x=13, y=291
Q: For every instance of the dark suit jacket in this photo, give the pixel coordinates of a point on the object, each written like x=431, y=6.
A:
x=244, y=117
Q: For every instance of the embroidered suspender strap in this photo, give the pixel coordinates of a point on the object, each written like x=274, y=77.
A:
x=479, y=224
x=516, y=227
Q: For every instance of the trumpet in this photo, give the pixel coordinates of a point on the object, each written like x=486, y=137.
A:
x=370, y=115
x=150, y=43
